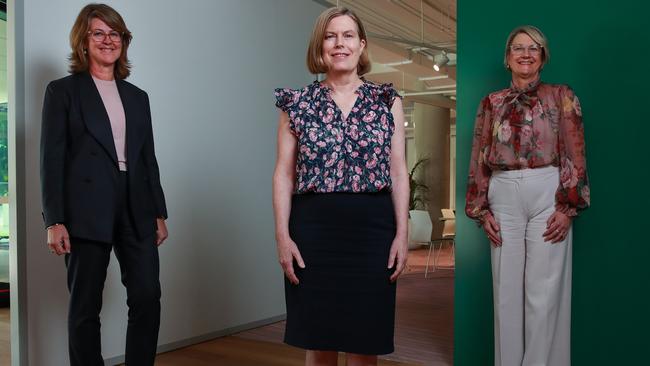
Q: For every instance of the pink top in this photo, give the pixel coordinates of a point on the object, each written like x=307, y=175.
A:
x=113, y=104
x=534, y=127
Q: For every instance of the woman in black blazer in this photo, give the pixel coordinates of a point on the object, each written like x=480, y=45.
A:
x=101, y=187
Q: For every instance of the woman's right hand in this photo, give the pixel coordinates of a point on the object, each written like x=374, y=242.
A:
x=287, y=252
x=58, y=239
x=492, y=229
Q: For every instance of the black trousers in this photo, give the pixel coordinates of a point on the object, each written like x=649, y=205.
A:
x=139, y=265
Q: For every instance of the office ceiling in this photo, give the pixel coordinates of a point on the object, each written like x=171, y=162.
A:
x=405, y=37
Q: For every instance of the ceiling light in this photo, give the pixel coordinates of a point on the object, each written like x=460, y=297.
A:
x=440, y=61
x=399, y=63
x=427, y=78
x=450, y=86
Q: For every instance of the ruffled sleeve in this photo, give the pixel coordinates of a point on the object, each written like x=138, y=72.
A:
x=573, y=191
x=476, y=200
x=388, y=94
x=288, y=100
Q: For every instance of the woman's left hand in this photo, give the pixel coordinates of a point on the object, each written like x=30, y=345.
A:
x=398, y=255
x=557, y=227
x=161, y=232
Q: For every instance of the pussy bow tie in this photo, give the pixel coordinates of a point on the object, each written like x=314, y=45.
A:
x=526, y=98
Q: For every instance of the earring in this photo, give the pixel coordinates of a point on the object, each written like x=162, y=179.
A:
x=85, y=51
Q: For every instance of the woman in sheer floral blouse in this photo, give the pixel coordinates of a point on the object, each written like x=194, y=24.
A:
x=527, y=181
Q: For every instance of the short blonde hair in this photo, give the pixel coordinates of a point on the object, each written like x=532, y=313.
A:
x=536, y=35
x=315, y=62
x=79, y=38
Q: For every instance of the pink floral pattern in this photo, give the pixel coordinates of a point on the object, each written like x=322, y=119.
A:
x=336, y=154
x=534, y=127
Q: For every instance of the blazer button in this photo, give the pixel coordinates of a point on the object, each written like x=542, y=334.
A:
x=88, y=180
x=93, y=153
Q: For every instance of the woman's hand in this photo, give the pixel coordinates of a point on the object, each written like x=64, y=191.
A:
x=557, y=227
x=398, y=254
x=492, y=230
x=287, y=252
x=161, y=231
x=58, y=239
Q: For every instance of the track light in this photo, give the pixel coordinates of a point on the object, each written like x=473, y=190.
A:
x=440, y=61
x=399, y=63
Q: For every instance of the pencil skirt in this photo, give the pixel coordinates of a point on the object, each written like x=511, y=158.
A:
x=345, y=301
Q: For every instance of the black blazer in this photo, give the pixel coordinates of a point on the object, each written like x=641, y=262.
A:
x=79, y=170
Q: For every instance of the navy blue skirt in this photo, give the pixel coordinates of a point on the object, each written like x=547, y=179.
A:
x=345, y=301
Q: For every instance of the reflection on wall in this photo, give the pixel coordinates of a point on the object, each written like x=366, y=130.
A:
x=431, y=135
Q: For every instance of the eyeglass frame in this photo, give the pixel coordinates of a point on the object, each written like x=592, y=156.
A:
x=523, y=49
x=91, y=33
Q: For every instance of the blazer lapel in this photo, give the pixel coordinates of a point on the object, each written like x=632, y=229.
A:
x=134, y=128
x=95, y=116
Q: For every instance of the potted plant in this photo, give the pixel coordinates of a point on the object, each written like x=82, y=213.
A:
x=417, y=189
x=417, y=195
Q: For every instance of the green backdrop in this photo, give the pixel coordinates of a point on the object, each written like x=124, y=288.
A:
x=601, y=49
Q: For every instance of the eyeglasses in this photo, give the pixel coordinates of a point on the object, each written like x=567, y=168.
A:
x=99, y=35
x=533, y=50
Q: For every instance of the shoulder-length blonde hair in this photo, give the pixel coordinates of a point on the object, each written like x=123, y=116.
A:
x=79, y=38
x=536, y=35
x=315, y=62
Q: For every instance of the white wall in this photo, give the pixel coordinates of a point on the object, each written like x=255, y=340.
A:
x=209, y=68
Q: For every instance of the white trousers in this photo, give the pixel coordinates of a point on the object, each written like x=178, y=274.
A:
x=532, y=277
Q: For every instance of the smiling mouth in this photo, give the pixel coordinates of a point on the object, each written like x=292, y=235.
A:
x=340, y=54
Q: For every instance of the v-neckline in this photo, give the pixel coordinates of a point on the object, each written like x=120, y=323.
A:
x=357, y=91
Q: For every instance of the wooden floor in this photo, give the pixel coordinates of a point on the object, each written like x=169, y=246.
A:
x=424, y=318
x=5, y=345
x=237, y=351
x=417, y=261
x=423, y=331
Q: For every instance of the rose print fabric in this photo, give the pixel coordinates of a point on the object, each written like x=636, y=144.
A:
x=534, y=127
x=337, y=154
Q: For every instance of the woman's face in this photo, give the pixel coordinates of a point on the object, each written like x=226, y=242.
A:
x=342, y=46
x=104, y=44
x=524, y=57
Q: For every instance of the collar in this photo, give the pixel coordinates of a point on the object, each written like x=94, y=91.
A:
x=325, y=91
x=529, y=88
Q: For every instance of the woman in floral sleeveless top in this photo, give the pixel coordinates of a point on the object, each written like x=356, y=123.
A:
x=340, y=197
x=527, y=181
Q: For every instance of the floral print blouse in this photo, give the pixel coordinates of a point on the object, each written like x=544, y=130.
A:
x=337, y=154
x=534, y=127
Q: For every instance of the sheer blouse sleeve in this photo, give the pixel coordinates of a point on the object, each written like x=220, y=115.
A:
x=573, y=191
x=476, y=205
